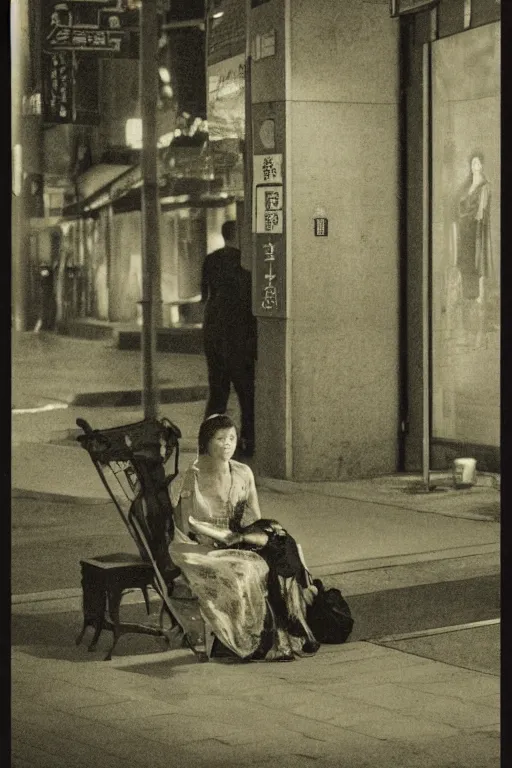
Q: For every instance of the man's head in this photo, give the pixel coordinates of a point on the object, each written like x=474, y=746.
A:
x=229, y=231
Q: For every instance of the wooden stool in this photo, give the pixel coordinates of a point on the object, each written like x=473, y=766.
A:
x=104, y=580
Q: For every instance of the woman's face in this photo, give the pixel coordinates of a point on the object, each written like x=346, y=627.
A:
x=476, y=164
x=223, y=444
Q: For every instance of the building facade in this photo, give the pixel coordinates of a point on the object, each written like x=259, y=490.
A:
x=82, y=248
x=359, y=151
x=372, y=223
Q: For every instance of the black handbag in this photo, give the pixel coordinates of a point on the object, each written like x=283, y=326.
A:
x=329, y=615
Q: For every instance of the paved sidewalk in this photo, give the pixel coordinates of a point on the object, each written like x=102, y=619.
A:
x=333, y=528
x=376, y=520
x=358, y=705
x=48, y=368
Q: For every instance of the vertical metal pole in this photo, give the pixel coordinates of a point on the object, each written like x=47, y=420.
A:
x=206, y=43
x=426, y=244
x=248, y=159
x=149, y=205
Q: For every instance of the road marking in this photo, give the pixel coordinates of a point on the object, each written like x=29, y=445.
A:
x=437, y=631
x=40, y=408
x=54, y=594
x=66, y=594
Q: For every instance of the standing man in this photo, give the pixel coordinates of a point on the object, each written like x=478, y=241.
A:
x=229, y=330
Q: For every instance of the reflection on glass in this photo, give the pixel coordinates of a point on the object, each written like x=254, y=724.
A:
x=466, y=237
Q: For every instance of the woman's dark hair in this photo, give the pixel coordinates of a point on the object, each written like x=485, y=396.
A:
x=210, y=427
x=477, y=153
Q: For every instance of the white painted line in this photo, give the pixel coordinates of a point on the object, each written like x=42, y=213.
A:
x=40, y=408
x=131, y=596
x=437, y=631
x=391, y=561
x=36, y=597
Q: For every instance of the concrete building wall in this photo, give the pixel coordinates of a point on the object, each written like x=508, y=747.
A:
x=330, y=368
x=342, y=139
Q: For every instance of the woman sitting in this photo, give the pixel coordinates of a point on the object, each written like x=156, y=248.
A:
x=246, y=573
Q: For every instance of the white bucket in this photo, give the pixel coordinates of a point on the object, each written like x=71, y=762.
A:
x=464, y=472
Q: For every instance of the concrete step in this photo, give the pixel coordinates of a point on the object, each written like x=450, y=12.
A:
x=133, y=397
x=184, y=339
x=88, y=328
x=187, y=339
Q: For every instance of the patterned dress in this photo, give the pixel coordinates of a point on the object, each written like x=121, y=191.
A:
x=253, y=600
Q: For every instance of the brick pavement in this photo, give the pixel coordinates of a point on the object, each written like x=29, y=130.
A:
x=355, y=705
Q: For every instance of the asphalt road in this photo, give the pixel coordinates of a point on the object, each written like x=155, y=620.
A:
x=50, y=538
x=53, y=634
x=475, y=648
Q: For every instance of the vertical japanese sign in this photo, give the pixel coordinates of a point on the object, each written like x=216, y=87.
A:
x=58, y=87
x=75, y=34
x=269, y=296
x=268, y=194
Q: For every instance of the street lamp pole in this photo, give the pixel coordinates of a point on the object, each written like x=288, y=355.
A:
x=150, y=203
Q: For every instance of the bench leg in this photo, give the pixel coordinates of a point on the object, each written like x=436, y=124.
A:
x=80, y=636
x=117, y=635
x=114, y=597
x=146, y=598
x=97, y=632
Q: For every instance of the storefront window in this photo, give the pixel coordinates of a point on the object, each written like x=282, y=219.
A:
x=466, y=236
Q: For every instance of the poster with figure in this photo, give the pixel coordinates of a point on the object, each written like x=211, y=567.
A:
x=465, y=308
x=472, y=216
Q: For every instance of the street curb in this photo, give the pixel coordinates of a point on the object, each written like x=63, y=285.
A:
x=290, y=487
x=59, y=498
x=68, y=438
x=375, y=563
x=51, y=496
x=67, y=498
x=70, y=600
x=321, y=571
x=117, y=399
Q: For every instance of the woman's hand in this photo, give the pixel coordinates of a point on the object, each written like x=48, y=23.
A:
x=222, y=535
x=309, y=594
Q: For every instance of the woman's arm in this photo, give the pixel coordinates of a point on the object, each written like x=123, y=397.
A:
x=253, y=511
x=483, y=203
x=181, y=499
x=229, y=538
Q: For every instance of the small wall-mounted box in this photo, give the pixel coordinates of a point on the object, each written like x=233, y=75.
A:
x=321, y=226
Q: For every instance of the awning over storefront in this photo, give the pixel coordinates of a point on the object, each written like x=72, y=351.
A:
x=102, y=189
x=124, y=192
x=98, y=177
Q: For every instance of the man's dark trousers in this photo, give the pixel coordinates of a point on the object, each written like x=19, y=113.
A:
x=229, y=362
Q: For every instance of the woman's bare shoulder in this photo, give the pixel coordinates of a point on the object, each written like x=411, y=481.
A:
x=241, y=469
x=240, y=466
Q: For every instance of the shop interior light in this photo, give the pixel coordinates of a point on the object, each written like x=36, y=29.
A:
x=165, y=75
x=133, y=133
x=217, y=14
